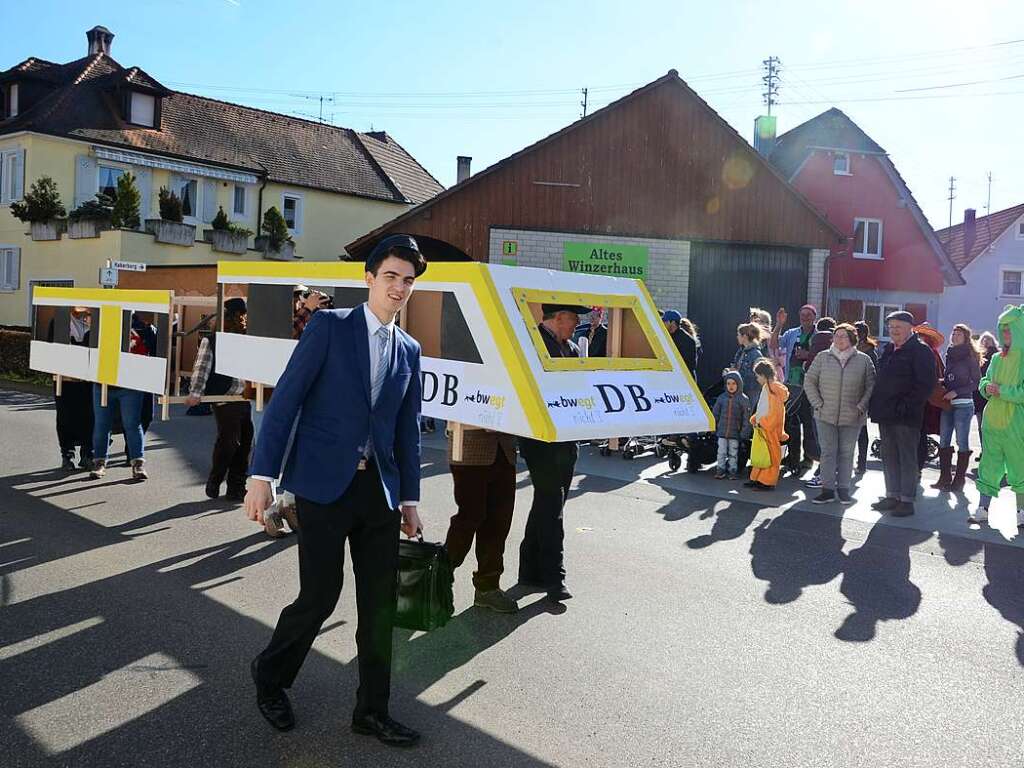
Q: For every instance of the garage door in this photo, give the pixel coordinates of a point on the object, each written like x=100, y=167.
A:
x=725, y=281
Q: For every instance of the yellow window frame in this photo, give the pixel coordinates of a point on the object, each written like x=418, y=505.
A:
x=526, y=296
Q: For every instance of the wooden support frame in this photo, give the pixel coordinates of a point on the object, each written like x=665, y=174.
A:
x=614, y=350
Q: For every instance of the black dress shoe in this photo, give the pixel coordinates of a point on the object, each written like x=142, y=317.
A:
x=387, y=730
x=212, y=489
x=903, y=509
x=886, y=504
x=559, y=593
x=235, y=494
x=272, y=702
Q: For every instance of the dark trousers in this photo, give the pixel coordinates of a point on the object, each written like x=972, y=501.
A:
x=551, y=468
x=485, y=497
x=74, y=417
x=899, y=460
x=234, y=441
x=862, y=445
x=362, y=516
x=800, y=428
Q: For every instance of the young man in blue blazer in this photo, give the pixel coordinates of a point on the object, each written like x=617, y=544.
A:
x=352, y=390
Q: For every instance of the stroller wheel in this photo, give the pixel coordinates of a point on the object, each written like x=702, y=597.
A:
x=659, y=451
x=876, y=449
x=932, y=448
x=628, y=454
x=674, y=461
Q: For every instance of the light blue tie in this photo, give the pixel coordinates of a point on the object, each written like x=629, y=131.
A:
x=379, y=374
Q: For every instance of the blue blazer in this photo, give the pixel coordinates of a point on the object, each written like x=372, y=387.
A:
x=326, y=389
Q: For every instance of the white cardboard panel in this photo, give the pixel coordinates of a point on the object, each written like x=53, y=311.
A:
x=64, y=359
x=145, y=374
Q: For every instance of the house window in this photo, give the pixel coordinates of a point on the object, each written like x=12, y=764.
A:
x=10, y=267
x=187, y=191
x=239, y=200
x=1020, y=230
x=291, y=209
x=867, y=238
x=1011, y=282
x=12, y=175
x=143, y=109
x=874, y=316
x=108, y=177
x=841, y=164
x=12, y=100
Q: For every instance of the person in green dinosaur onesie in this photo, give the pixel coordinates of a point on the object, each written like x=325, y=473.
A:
x=1003, y=423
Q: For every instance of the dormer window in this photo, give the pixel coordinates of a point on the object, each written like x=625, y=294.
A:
x=142, y=109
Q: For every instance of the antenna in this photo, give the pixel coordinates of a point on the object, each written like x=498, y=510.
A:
x=772, y=69
x=952, y=196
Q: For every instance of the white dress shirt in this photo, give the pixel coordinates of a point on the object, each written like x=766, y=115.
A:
x=373, y=324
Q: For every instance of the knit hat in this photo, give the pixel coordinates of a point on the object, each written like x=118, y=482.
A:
x=670, y=316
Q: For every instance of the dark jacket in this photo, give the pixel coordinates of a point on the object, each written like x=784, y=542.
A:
x=743, y=362
x=986, y=359
x=732, y=412
x=598, y=341
x=687, y=346
x=906, y=377
x=962, y=371
x=820, y=341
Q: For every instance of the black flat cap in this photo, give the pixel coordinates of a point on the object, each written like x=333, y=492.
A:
x=234, y=306
x=902, y=316
x=396, y=241
x=550, y=309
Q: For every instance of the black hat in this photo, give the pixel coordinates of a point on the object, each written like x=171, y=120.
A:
x=550, y=309
x=903, y=316
x=380, y=250
x=234, y=306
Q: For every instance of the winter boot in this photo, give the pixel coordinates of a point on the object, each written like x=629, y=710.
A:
x=99, y=469
x=945, y=469
x=963, y=460
x=67, y=463
x=85, y=458
x=138, y=470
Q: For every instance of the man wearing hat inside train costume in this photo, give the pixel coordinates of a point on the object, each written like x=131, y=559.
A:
x=551, y=465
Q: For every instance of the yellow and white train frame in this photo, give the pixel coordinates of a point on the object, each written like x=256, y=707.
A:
x=641, y=388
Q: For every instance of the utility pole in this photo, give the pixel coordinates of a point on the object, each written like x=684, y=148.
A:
x=952, y=196
x=988, y=203
x=772, y=70
x=584, y=103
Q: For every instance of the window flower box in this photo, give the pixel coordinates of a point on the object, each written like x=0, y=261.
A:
x=172, y=232
x=86, y=228
x=47, y=230
x=286, y=252
x=226, y=241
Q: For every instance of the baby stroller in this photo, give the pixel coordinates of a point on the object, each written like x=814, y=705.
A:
x=701, y=448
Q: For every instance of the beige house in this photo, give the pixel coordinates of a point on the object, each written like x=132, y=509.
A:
x=86, y=122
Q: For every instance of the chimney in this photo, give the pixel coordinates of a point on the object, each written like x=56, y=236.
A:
x=970, y=231
x=463, y=171
x=99, y=39
x=764, y=134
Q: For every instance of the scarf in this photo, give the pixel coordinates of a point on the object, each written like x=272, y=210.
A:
x=844, y=356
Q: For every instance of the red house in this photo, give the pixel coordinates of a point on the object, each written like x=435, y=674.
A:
x=892, y=258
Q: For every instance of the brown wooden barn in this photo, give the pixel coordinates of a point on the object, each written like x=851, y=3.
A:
x=655, y=185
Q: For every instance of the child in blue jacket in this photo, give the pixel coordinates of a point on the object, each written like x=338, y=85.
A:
x=732, y=412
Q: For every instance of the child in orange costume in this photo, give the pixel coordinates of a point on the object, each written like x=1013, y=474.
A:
x=770, y=416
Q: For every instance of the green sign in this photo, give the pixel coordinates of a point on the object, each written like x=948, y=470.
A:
x=606, y=259
x=510, y=247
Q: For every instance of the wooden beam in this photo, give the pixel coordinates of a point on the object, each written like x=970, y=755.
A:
x=59, y=384
x=614, y=350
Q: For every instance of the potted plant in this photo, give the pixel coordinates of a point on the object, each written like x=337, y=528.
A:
x=275, y=242
x=42, y=209
x=169, y=228
x=127, y=201
x=226, y=236
x=91, y=217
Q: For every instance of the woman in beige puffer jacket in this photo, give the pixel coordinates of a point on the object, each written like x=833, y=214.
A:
x=838, y=386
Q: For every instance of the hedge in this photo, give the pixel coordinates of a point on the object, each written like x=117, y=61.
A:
x=14, y=346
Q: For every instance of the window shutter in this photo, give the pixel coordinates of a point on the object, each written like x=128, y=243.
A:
x=919, y=311
x=144, y=181
x=19, y=174
x=10, y=277
x=850, y=310
x=4, y=183
x=85, y=179
x=209, y=200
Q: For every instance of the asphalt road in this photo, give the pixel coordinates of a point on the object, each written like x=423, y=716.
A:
x=704, y=631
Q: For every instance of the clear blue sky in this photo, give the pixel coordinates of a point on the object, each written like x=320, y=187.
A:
x=486, y=79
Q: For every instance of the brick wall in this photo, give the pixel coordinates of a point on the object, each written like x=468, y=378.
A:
x=668, y=277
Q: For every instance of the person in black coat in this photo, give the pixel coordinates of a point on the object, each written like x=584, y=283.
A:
x=905, y=380
x=685, y=343
x=74, y=404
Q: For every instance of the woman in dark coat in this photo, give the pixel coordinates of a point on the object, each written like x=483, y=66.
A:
x=74, y=404
x=932, y=423
x=869, y=346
